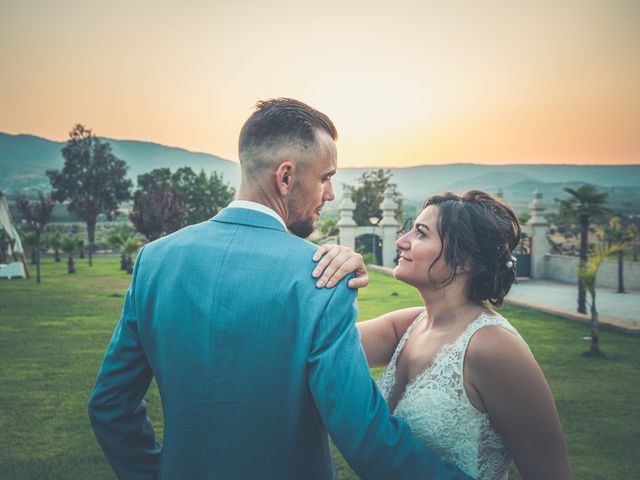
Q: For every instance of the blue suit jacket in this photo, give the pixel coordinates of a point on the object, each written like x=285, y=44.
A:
x=254, y=365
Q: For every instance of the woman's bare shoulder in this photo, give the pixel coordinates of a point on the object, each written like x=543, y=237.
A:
x=494, y=349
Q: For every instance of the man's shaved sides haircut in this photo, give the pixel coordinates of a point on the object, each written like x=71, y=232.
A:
x=276, y=125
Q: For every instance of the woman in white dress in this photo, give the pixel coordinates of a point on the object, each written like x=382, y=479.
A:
x=457, y=372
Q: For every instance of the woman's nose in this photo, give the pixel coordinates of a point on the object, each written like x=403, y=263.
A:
x=403, y=242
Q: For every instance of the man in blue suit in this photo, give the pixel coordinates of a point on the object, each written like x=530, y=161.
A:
x=254, y=363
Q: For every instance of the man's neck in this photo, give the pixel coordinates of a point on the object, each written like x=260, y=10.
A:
x=262, y=197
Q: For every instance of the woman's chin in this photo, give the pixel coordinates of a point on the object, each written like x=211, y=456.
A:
x=397, y=274
x=394, y=272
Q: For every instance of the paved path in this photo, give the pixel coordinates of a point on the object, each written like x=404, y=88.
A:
x=621, y=310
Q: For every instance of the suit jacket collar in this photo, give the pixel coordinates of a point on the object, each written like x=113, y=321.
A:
x=245, y=216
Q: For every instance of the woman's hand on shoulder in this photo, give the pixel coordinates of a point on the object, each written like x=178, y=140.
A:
x=336, y=262
x=519, y=402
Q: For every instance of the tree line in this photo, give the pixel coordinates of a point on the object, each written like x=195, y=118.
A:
x=93, y=182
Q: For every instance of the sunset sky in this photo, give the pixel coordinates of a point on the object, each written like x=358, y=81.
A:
x=406, y=82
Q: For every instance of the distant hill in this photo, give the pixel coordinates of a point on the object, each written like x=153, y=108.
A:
x=25, y=158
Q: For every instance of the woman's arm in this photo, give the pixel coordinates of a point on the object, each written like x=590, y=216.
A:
x=516, y=396
x=381, y=335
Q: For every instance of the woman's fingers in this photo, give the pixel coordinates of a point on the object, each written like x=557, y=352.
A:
x=335, y=262
x=325, y=256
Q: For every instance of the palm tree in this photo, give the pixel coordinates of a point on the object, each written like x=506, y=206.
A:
x=117, y=240
x=583, y=204
x=30, y=240
x=54, y=240
x=587, y=274
x=69, y=244
x=634, y=233
x=329, y=226
x=130, y=247
x=617, y=235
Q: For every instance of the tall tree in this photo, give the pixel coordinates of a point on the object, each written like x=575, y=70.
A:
x=93, y=179
x=582, y=205
x=369, y=195
x=158, y=206
x=205, y=195
x=166, y=202
x=37, y=216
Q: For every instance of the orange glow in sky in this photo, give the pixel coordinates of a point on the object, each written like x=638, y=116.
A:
x=408, y=82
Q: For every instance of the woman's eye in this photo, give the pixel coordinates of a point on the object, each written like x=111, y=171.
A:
x=420, y=234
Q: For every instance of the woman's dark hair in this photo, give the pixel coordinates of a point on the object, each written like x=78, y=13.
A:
x=479, y=233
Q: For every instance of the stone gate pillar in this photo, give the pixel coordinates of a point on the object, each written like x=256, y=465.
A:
x=346, y=224
x=389, y=226
x=538, y=227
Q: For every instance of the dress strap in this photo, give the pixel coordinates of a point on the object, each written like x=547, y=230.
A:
x=486, y=320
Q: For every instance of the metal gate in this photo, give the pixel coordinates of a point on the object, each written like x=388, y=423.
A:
x=523, y=256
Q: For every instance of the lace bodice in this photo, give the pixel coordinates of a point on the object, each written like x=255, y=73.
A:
x=437, y=409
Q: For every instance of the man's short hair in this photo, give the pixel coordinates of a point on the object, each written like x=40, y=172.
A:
x=278, y=124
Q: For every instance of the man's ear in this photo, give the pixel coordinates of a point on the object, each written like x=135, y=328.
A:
x=284, y=177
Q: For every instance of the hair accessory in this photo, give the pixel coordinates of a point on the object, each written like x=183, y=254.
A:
x=511, y=262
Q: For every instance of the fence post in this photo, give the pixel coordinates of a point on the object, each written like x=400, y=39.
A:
x=538, y=227
x=389, y=226
x=346, y=224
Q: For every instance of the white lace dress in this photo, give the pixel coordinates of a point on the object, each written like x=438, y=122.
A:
x=438, y=411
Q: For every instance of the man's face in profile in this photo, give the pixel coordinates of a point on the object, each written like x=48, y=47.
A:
x=312, y=187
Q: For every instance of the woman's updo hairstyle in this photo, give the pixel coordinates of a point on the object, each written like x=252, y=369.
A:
x=479, y=233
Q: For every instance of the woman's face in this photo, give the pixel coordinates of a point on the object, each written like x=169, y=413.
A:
x=419, y=248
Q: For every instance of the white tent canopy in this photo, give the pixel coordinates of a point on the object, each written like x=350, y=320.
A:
x=7, y=224
x=15, y=269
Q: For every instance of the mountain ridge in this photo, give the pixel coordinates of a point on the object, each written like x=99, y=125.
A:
x=24, y=159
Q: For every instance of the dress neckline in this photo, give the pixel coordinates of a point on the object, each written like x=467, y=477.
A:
x=441, y=350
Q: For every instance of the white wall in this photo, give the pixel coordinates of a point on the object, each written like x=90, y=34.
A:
x=564, y=268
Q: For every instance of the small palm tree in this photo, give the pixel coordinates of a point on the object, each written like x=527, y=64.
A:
x=117, y=240
x=69, y=244
x=616, y=234
x=583, y=204
x=30, y=240
x=54, y=241
x=587, y=275
x=329, y=226
x=130, y=248
x=635, y=234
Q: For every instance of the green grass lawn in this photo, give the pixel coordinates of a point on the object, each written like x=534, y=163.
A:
x=53, y=337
